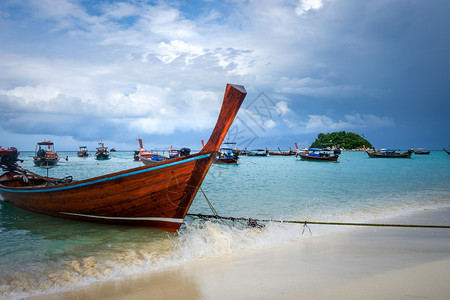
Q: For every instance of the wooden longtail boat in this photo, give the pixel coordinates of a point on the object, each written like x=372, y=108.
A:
x=150, y=158
x=153, y=157
x=317, y=154
x=421, y=151
x=226, y=155
x=281, y=153
x=388, y=153
x=257, y=152
x=448, y=152
x=156, y=196
x=147, y=157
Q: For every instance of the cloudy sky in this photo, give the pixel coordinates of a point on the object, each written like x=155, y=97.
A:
x=77, y=71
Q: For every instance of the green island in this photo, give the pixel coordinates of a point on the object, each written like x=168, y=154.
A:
x=342, y=140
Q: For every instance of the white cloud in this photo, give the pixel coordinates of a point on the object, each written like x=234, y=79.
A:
x=120, y=10
x=306, y=5
x=270, y=124
x=168, y=52
x=282, y=108
x=139, y=62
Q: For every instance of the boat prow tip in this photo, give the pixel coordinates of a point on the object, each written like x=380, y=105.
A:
x=238, y=87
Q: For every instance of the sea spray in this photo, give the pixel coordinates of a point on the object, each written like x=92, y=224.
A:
x=196, y=240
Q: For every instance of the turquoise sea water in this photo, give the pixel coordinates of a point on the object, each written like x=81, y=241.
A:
x=40, y=254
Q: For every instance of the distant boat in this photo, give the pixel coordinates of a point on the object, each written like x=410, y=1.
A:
x=257, y=152
x=448, y=152
x=83, y=152
x=158, y=196
x=243, y=152
x=232, y=145
x=113, y=150
x=147, y=157
x=226, y=156
x=318, y=154
x=422, y=151
x=388, y=153
x=152, y=157
x=45, y=154
x=102, y=152
x=173, y=153
x=281, y=153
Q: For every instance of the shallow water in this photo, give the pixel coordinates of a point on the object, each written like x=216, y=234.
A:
x=41, y=254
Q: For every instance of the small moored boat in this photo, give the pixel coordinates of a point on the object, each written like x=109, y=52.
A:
x=281, y=153
x=45, y=154
x=147, y=157
x=257, y=152
x=154, y=156
x=421, y=151
x=387, y=153
x=157, y=195
x=226, y=156
x=318, y=154
x=83, y=152
x=102, y=152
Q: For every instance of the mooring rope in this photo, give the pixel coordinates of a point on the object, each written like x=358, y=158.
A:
x=210, y=204
x=305, y=223
x=254, y=222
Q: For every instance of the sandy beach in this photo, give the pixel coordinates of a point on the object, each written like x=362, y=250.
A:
x=361, y=263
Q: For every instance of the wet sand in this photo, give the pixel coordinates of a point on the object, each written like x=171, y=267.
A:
x=362, y=263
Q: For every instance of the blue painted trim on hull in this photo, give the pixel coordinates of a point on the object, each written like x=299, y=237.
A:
x=109, y=178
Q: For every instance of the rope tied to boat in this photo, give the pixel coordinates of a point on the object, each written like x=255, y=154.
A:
x=252, y=222
x=305, y=223
x=210, y=204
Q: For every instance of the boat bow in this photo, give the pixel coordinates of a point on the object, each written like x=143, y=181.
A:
x=157, y=195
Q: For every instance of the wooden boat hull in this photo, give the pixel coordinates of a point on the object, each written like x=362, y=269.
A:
x=149, y=160
x=43, y=161
x=389, y=155
x=157, y=196
x=151, y=196
x=332, y=158
x=228, y=161
x=102, y=156
x=422, y=152
x=280, y=153
x=256, y=154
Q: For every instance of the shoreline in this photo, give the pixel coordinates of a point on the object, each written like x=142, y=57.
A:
x=361, y=263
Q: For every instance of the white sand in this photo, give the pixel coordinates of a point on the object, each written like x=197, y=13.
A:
x=364, y=263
